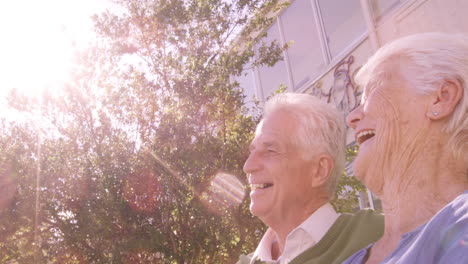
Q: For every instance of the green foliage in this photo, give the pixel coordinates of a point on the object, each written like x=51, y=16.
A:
x=348, y=188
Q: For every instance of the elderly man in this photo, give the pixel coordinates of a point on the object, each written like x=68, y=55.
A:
x=295, y=161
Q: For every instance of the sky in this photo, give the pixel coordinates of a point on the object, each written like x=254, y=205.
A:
x=38, y=39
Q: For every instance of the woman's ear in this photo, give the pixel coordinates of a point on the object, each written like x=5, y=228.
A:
x=445, y=100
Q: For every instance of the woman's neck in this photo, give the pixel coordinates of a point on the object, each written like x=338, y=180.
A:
x=419, y=190
x=414, y=195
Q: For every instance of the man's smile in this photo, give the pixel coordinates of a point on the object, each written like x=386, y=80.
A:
x=255, y=186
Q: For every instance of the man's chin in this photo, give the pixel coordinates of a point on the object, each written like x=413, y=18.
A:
x=256, y=209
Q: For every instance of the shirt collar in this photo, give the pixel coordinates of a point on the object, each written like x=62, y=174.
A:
x=300, y=238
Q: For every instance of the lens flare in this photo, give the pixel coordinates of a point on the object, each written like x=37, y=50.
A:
x=224, y=193
x=228, y=187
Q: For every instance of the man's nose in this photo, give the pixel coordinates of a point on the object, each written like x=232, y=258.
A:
x=252, y=163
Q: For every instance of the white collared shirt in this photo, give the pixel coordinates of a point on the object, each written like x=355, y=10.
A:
x=300, y=238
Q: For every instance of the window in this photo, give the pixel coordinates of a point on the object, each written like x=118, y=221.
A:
x=247, y=80
x=272, y=77
x=381, y=7
x=305, y=54
x=343, y=22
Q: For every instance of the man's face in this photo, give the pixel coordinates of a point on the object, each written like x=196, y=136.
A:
x=278, y=176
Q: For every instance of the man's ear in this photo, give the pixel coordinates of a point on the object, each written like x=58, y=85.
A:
x=445, y=100
x=325, y=166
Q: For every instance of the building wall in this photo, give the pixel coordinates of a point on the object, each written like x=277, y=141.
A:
x=425, y=16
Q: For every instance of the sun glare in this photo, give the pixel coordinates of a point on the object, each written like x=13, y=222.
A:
x=39, y=39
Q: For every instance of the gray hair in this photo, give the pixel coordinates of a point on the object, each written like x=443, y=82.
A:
x=436, y=57
x=321, y=128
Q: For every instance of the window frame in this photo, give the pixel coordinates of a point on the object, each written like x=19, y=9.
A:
x=325, y=50
x=400, y=7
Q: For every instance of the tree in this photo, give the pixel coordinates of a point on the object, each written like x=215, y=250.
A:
x=129, y=150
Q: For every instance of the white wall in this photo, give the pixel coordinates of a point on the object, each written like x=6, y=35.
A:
x=425, y=16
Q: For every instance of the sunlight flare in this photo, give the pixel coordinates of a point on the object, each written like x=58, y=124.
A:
x=39, y=39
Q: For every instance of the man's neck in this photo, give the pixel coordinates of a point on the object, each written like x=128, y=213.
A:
x=289, y=223
x=275, y=250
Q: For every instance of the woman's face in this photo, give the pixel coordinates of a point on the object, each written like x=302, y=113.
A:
x=387, y=125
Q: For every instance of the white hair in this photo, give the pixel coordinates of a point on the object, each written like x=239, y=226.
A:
x=436, y=58
x=320, y=128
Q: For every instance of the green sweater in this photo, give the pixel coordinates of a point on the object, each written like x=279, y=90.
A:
x=347, y=235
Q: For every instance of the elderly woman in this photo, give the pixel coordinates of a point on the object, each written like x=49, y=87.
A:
x=412, y=131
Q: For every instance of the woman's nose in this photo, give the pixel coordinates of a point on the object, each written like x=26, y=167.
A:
x=354, y=117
